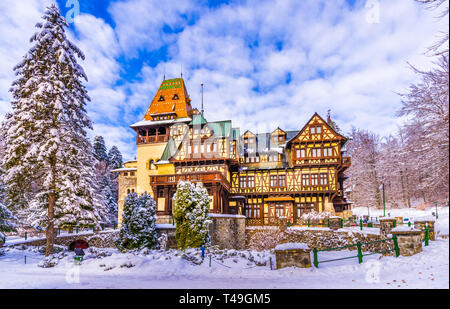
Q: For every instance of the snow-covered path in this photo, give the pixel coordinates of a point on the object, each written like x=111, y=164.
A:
x=429, y=269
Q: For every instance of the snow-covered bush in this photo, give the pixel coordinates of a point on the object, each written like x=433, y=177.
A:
x=190, y=213
x=139, y=223
x=315, y=217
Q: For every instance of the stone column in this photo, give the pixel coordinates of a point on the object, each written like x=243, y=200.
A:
x=409, y=240
x=386, y=225
x=420, y=224
x=293, y=254
x=335, y=223
x=399, y=220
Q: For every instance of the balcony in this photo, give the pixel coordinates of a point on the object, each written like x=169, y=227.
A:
x=152, y=139
x=346, y=162
x=203, y=177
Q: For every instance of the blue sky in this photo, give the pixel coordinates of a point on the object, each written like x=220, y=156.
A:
x=264, y=63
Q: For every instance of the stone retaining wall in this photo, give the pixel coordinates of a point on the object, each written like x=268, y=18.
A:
x=227, y=231
x=268, y=238
x=104, y=239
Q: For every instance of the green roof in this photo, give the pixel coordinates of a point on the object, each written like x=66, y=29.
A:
x=172, y=83
x=221, y=128
x=198, y=119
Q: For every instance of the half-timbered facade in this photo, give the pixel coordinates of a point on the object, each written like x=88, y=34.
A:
x=262, y=175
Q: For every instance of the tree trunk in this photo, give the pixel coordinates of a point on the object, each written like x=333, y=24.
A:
x=50, y=234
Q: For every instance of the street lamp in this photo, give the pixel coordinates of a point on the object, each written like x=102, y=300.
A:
x=435, y=204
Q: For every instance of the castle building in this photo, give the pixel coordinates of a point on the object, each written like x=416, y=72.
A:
x=263, y=176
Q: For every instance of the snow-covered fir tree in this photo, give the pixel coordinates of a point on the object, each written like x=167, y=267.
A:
x=138, y=228
x=100, y=149
x=190, y=213
x=114, y=158
x=46, y=140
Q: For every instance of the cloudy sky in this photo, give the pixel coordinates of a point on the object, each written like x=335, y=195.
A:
x=263, y=63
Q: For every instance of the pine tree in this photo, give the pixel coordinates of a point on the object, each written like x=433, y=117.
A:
x=100, y=149
x=138, y=223
x=190, y=213
x=114, y=158
x=47, y=149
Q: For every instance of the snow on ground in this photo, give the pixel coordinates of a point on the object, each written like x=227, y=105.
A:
x=109, y=268
x=441, y=224
x=159, y=269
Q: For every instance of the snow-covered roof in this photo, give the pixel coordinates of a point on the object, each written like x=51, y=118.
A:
x=158, y=122
x=404, y=228
x=124, y=169
x=292, y=246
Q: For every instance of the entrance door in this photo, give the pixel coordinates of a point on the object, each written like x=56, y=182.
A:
x=280, y=209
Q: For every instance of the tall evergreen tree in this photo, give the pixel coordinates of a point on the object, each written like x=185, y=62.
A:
x=46, y=141
x=190, y=213
x=114, y=158
x=138, y=223
x=100, y=149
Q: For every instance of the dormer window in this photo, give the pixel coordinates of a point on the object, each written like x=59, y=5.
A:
x=175, y=97
x=161, y=98
x=315, y=129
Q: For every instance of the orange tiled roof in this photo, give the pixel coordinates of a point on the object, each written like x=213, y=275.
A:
x=175, y=100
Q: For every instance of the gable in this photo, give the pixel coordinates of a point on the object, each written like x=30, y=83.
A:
x=317, y=129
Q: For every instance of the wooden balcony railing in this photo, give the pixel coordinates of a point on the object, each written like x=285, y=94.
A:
x=152, y=139
x=204, y=177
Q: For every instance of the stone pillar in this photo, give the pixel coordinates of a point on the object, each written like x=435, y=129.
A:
x=335, y=223
x=409, y=240
x=420, y=224
x=386, y=225
x=293, y=254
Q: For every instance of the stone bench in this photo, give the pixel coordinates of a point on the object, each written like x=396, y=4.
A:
x=293, y=254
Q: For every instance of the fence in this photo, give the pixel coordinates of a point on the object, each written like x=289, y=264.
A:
x=360, y=254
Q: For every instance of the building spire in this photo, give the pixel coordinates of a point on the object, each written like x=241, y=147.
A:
x=329, y=116
x=202, y=96
x=181, y=70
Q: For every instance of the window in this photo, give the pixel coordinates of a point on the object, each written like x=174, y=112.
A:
x=323, y=179
x=315, y=152
x=303, y=208
x=161, y=98
x=175, y=97
x=328, y=152
x=250, y=181
x=196, y=148
x=282, y=180
x=128, y=191
x=300, y=153
x=314, y=179
x=131, y=173
x=253, y=211
x=273, y=181
x=202, y=148
x=189, y=149
x=214, y=147
x=305, y=179
x=315, y=129
x=125, y=174
x=243, y=181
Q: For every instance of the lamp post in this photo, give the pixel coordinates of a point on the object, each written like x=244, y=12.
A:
x=435, y=204
x=384, y=203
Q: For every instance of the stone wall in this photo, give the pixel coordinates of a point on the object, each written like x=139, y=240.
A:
x=227, y=231
x=260, y=238
x=103, y=239
x=409, y=241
